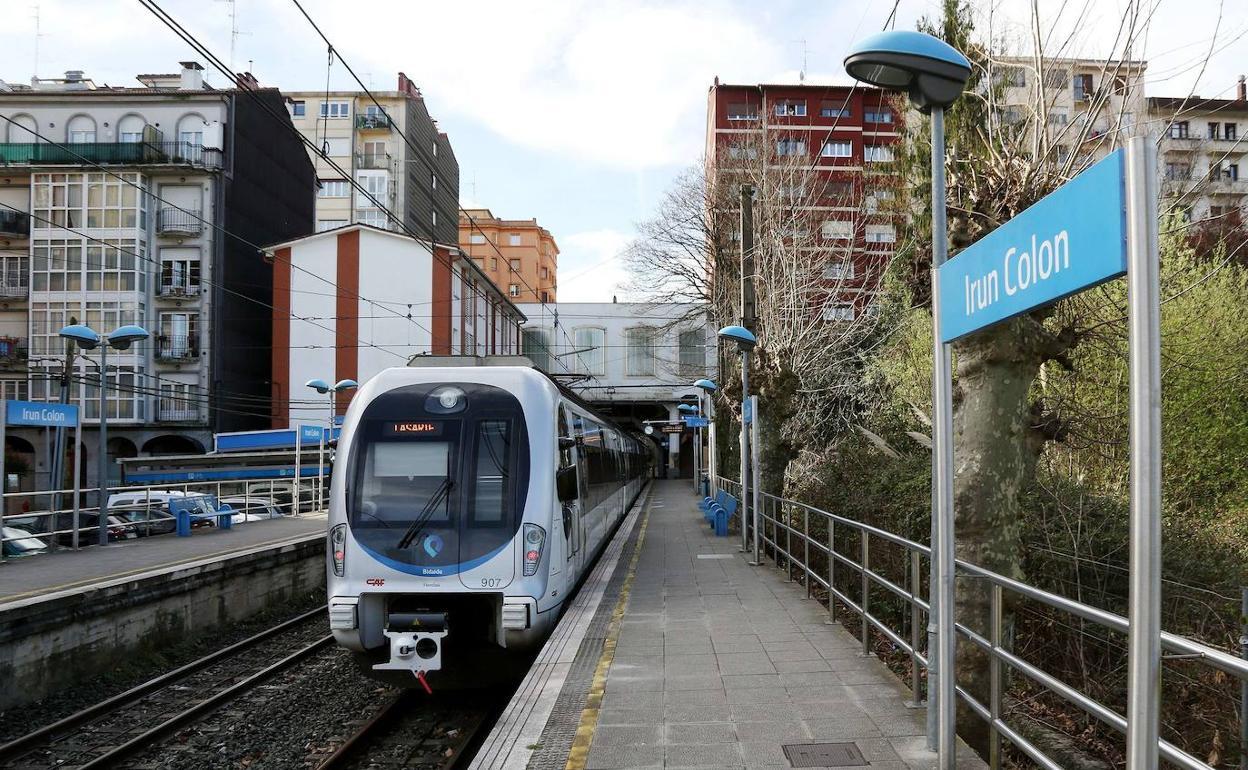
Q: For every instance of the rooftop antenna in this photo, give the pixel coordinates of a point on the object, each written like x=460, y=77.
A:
x=801, y=74
x=234, y=33
x=474, y=185
x=38, y=35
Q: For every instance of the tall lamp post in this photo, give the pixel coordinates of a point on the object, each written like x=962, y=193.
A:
x=89, y=339
x=746, y=341
x=934, y=75
x=323, y=387
x=706, y=400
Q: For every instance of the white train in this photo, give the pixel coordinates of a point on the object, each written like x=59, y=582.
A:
x=467, y=503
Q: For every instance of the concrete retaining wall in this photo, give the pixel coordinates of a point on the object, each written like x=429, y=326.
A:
x=52, y=643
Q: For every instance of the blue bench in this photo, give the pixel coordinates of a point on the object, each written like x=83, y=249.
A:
x=718, y=511
x=192, y=509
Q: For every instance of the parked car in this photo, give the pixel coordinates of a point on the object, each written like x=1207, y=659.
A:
x=87, y=522
x=252, y=508
x=19, y=542
x=147, y=512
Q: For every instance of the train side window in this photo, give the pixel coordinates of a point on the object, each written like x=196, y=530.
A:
x=492, y=474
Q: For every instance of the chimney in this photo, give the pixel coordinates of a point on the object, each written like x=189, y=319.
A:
x=246, y=80
x=73, y=76
x=1242, y=92
x=192, y=76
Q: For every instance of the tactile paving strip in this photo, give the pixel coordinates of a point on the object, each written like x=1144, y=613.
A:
x=560, y=729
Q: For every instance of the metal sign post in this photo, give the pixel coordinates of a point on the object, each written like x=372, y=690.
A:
x=755, y=466
x=1072, y=239
x=1144, y=314
x=297, y=481
x=744, y=506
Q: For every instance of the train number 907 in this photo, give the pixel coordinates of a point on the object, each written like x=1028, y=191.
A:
x=491, y=582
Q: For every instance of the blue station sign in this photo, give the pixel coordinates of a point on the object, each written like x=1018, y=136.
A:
x=38, y=414
x=1072, y=239
x=696, y=422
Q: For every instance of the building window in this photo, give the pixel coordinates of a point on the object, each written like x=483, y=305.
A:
x=791, y=147
x=836, y=271
x=334, y=188
x=545, y=273
x=1012, y=77
x=1231, y=172
x=1082, y=86
x=372, y=218
x=48, y=318
x=434, y=219
x=375, y=155
x=791, y=108
x=839, y=311
x=335, y=109
x=1214, y=130
x=836, y=230
x=179, y=272
x=494, y=264
x=692, y=350
x=514, y=265
x=329, y=224
x=833, y=110
x=337, y=146
x=58, y=200
x=476, y=239
x=591, y=346
x=545, y=297
x=298, y=109
x=878, y=116
x=742, y=152
x=1058, y=117
x=375, y=183
x=177, y=402
x=640, y=342
x=1056, y=79
x=1216, y=211
x=433, y=181
x=1230, y=131
x=513, y=290
x=881, y=234
x=742, y=111
x=1179, y=129
x=877, y=153
x=840, y=190
x=837, y=149
x=13, y=390
x=513, y=239
x=82, y=136
x=179, y=336
x=535, y=344
x=14, y=274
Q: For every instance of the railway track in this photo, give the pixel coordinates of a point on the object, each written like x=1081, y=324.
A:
x=106, y=733
x=411, y=732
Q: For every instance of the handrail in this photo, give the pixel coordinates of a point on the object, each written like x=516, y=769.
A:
x=794, y=555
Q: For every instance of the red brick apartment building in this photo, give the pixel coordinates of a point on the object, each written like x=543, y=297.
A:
x=846, y=135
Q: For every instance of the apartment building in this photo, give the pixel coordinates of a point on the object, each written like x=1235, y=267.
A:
x=350, y=302
x=144, y=205
x=518, y=255
x=392, y=148
x=1201, y=154
x=828, y=150
x=1089, y=107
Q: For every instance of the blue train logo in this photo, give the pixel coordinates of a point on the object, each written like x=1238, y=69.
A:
x=433, y=545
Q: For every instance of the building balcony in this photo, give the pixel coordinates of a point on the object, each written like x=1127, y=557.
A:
x=176, y=348
x=13, y=353
x=173, y=221
x=365, y=160
x=14, y=224
x=176, y=414
x=1225, y=186
x=373, y=122
x=111, y=153
x=177, y=289
x=14, y=285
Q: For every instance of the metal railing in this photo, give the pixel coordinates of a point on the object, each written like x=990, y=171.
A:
x=177, y=414
x=174, y=221
x=372, y=160
x=178, y=287
x=373, y=121
x=14, y=284
x=13, y=352
x=122, y=153
x=60, y=518
x=790, y=533
x=177, y=347
x=15, y=223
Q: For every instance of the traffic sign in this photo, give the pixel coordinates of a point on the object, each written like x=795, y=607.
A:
x=1072, y=239
x=747, y=412
x=39, y=414
x=696, y=422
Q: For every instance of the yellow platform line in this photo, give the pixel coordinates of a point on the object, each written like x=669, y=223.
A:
x=579, y=752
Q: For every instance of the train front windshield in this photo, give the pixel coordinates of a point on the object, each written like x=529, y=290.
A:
x=439, y=476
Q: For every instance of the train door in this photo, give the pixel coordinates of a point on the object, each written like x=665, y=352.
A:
x=570, y=510
x=489, y=521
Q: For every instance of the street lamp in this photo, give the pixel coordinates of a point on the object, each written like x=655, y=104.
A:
x=706, y=399
x=746, y=341
x=88, y=339
x=934, y=74
x=323, y=387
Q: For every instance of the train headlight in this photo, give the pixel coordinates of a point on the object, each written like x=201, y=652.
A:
x=338, y=548
x=447, y=399
x=534, y=542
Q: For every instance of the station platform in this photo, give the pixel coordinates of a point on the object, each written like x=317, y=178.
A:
x=678, y=653
x=46, y=575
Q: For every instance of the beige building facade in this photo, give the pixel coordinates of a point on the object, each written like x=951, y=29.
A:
x=519, y=255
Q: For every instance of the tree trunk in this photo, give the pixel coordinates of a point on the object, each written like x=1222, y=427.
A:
x=995, y=450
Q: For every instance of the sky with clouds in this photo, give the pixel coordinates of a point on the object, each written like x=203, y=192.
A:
x=581, y=112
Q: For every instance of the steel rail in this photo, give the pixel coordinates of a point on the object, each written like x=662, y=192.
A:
x=110, y=705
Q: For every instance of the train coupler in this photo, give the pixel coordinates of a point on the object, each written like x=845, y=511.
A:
x=415, y=644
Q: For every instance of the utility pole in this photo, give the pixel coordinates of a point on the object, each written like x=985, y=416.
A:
x=58, y=445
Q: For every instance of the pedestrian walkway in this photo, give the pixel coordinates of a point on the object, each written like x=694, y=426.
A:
x=710, y=662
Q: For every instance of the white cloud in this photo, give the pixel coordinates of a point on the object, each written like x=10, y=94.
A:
x=590, y=267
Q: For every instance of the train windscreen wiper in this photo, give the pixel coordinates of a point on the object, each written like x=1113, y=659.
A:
x=426, y=513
